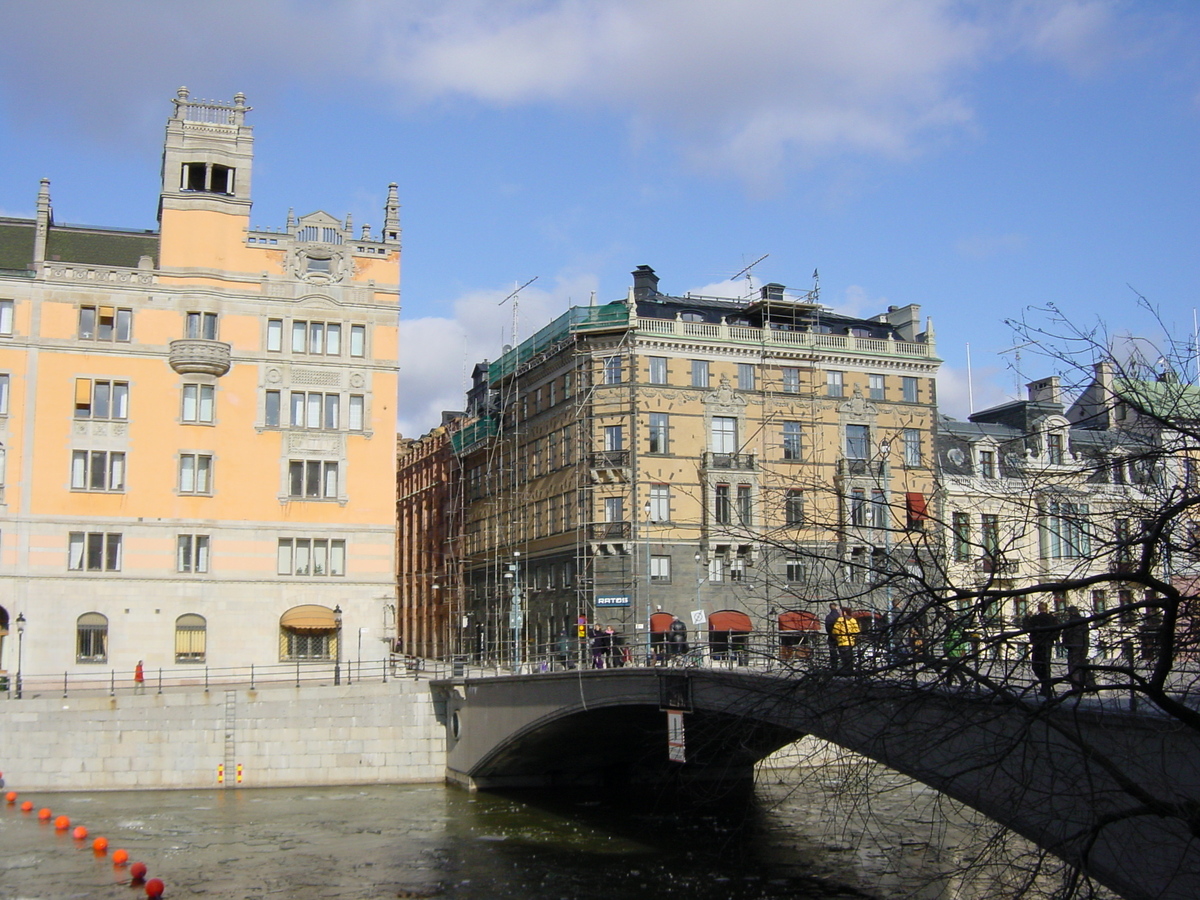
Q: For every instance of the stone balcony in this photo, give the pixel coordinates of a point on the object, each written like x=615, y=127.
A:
x=195, y=356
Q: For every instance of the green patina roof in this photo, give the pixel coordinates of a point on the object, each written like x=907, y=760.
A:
x=75, y=244
x=1166, y=400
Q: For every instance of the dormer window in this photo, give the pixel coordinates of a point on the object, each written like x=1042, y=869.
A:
x=691, y=316
x=209, y=178
x=322, y=265
x=1054, y=449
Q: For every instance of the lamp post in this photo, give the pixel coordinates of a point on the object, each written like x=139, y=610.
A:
x=337, y=660
x=516, y=614
x=699, y=581
x=640, y=622
x=20, y=647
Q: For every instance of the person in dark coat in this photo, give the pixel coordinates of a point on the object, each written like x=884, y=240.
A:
x=1075, y=636
x=831, y=617
x=1043, y=629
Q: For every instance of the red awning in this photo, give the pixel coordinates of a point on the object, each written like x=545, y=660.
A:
x=798, y=620
x=660, y=622
x=729, y=620
x=917, y=511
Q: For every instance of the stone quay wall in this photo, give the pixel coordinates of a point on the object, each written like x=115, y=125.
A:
x=280, y=736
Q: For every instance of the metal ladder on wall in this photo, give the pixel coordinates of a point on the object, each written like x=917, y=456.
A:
x=230, y=742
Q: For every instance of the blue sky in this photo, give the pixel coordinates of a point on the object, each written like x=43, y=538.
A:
x=977, y=158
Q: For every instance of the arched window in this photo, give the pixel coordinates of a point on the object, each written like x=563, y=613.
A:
x=191, y=638
x=308, y=632
x=91, y=638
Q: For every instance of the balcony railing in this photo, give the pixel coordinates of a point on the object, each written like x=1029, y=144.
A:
x=610, y=459
x=745, y=462
x=743, y=334
x=997, y=565
x=860, y=467
x=196, y=356
x=609, y=531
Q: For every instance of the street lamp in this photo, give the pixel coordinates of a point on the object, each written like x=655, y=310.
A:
x=637, y=620
x=337, y=662
x=20, y=646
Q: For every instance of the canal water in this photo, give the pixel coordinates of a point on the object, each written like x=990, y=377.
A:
x=809, y=834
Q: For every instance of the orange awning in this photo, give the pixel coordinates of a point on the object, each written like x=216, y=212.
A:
x=917, y=511
x=309, y=618
x=729, y=620
x=661, y=622
x=798, y=620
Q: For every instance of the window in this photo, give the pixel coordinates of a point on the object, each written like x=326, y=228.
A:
x=912, y=447
x=989, y=534
x=6, y=318
x=858, y=441
x=908, y=388
x=3, y=395
x=103, y=323
x=311, y=479
x=716, y=570
x=960, y=525
x=723, y=434
x=274, y=335
x=91, y=638
x=201, y=325
x=858, y=507
x=358, y=340
x=791, y=379
x=791, y=440
x=879, y=509
x=793, y=507
x=1054, y=449
x=660, y=568
x=745, y=505
x=745, y=377
x=692, y=316
x=722, y=511
x=658, y=432
x=875, y=387
x=737, y=569
x=356, y=418
x=614, y=509
x=315, y=410
x=96, y=399
x=271, y=409
x=191, y=632
x=1099, y=602
x=198, y=403
x=612, y=370
x=917, y=510
x=195, y=473
x=1064, y=532
x=835, y=386
x=700, y=373
x=210, y=178
x=97, y=470
x=316, y=338
x=987, y=463
x=311, y=557
x=660, y=503
x=191, y=553
x=795, y=570
x=658, y=370
x=93, y=551
x=614, y=437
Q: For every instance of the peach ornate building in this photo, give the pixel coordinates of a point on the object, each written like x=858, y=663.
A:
x=196, y=423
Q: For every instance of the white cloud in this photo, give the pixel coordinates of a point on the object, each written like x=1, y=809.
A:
x=985, y=387
x=985, y=246
x=437, y=353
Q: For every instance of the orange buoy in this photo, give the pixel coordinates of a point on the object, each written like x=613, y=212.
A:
x=27, y=806
x=120, y=857
x=138, y=871
x=11, y=797
x=79, y=833
x=62, y=823
x=100, y=845
x=44, y=814
x=154, y=887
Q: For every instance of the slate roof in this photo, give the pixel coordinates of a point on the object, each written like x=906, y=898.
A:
x=76, y=244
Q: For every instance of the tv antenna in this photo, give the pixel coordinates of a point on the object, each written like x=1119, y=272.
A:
x=747, y=272
x=513, y=298
x=1015, y=365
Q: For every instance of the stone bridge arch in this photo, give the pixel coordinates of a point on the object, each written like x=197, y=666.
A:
x=1074, y=780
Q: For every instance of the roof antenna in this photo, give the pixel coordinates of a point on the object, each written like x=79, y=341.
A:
x=749, y=276
x=513, y=298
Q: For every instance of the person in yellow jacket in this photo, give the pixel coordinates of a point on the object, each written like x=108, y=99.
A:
x=845, y=636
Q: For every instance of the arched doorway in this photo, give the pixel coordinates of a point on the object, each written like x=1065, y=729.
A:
x=729, y=636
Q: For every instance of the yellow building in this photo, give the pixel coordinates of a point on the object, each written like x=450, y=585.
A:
x=196, y=424
x=729, y=464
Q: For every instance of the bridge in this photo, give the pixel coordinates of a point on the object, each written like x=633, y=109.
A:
x=1111, y=791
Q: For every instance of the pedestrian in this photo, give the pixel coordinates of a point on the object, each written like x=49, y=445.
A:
x=1042, y=627
x=600, y=646
x=1075, y=635
x=139, y=678
x=830, y=618
x=845, y=636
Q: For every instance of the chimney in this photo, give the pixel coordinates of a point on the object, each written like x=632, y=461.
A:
x=1045, y=391
x=645, y=283
x=772, y=291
